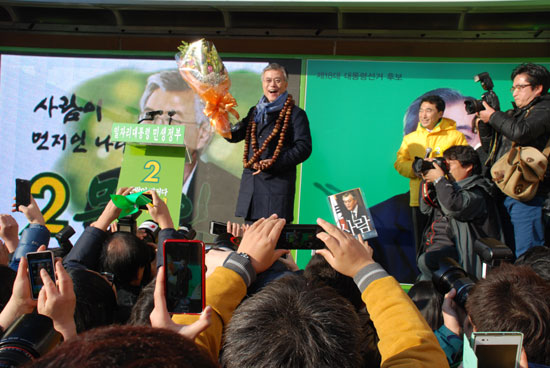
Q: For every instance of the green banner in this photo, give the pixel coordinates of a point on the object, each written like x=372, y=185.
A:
x=155, y=167
x=148, y=134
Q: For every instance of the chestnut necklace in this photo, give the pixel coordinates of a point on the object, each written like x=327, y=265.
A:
x=284, y=115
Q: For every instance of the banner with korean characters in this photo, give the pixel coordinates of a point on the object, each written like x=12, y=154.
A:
x=154, y=159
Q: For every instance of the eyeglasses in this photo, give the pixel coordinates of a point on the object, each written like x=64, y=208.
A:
x=519, y=87
x=159, y=117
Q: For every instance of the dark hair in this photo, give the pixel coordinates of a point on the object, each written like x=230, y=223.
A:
x=466, y=155
x=537, y=75
x=538, y=258
x=514, y=298
x=127, y=346
x=123, y=254
x=435, y=100
x=320, y=273
x=292, y=324
x=7, y=275
x=410, y=120
x=144, y=306
x=96, y=303
x=428, y=301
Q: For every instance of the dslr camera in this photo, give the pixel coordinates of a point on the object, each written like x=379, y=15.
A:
x=421, y=165
x=474, y=106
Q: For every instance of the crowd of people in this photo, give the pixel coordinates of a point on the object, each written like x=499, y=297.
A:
x=107, y=305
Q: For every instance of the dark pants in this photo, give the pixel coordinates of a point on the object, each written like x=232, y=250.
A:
x=419, y=221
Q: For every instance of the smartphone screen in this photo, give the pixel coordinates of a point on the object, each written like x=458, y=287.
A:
x=498, y=349
x=184, y=275
x=300, y=237
x=38, y=261
x=217, y=228
x=22, y=192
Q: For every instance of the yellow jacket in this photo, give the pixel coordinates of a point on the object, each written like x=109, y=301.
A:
x=414, y=144
x=406, y=340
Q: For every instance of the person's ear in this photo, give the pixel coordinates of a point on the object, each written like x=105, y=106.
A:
x=205, y=134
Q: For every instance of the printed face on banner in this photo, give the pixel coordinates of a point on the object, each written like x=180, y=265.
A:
x=178, y=108
x=58, y=112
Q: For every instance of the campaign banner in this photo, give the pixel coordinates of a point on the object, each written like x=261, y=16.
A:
x=57, y=118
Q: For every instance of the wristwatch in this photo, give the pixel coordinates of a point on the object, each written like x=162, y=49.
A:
x=244, y=255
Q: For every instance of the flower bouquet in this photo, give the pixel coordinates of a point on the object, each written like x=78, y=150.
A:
x=203, y=70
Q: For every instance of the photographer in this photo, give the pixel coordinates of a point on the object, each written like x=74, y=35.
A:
x=462, y=211
x=527, y=124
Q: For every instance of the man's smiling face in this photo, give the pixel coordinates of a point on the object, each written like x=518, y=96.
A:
x=274, y=84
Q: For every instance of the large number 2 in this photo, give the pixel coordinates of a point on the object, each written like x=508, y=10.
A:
x=59, y=200
x=155, y=169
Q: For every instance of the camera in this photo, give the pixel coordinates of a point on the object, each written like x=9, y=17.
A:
x=64, y=239
x=151, y=229
x=128, y=223
x=29, y=337
x=421, y=166
x=451, y=276
x=474, y=106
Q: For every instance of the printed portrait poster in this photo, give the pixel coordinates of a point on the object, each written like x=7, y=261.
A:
x=57, y=113
x=351, y=213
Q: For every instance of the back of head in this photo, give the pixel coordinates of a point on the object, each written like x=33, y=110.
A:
x=538, y=75
x=319, y=272
x=292, y=324
x=126, y=346
x=7, y=277
x=514, y=298
x=144, y=306
x=123, y=255
x=466, y=155
x=95, y=299
x=428, y=301
x=538, y=258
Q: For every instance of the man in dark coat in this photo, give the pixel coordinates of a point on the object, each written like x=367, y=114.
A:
x=527, y=124
x=277, y=139
x=463, y=210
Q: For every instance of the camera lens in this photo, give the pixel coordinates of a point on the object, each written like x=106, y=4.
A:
x=30, y=336
x=451, y=276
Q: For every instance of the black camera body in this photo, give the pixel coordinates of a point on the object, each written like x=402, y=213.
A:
x=421, y=165
x=474, y=106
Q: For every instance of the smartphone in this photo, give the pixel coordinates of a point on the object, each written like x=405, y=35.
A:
x=148, y=196
x=300, y=237
x=38, y=261
x=498, y=349
x=217, y=228
x=22, y=193
x=184, y=272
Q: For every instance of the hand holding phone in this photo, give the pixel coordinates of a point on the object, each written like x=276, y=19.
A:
x=296, y=236
x=184, y=275
x=22, y=193
x=160, y=318
x=58, y=301
x=36, y=262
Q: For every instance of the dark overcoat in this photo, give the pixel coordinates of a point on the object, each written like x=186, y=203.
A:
x=272, y=191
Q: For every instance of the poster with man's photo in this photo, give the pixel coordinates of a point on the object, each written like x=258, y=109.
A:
x=352, y=214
